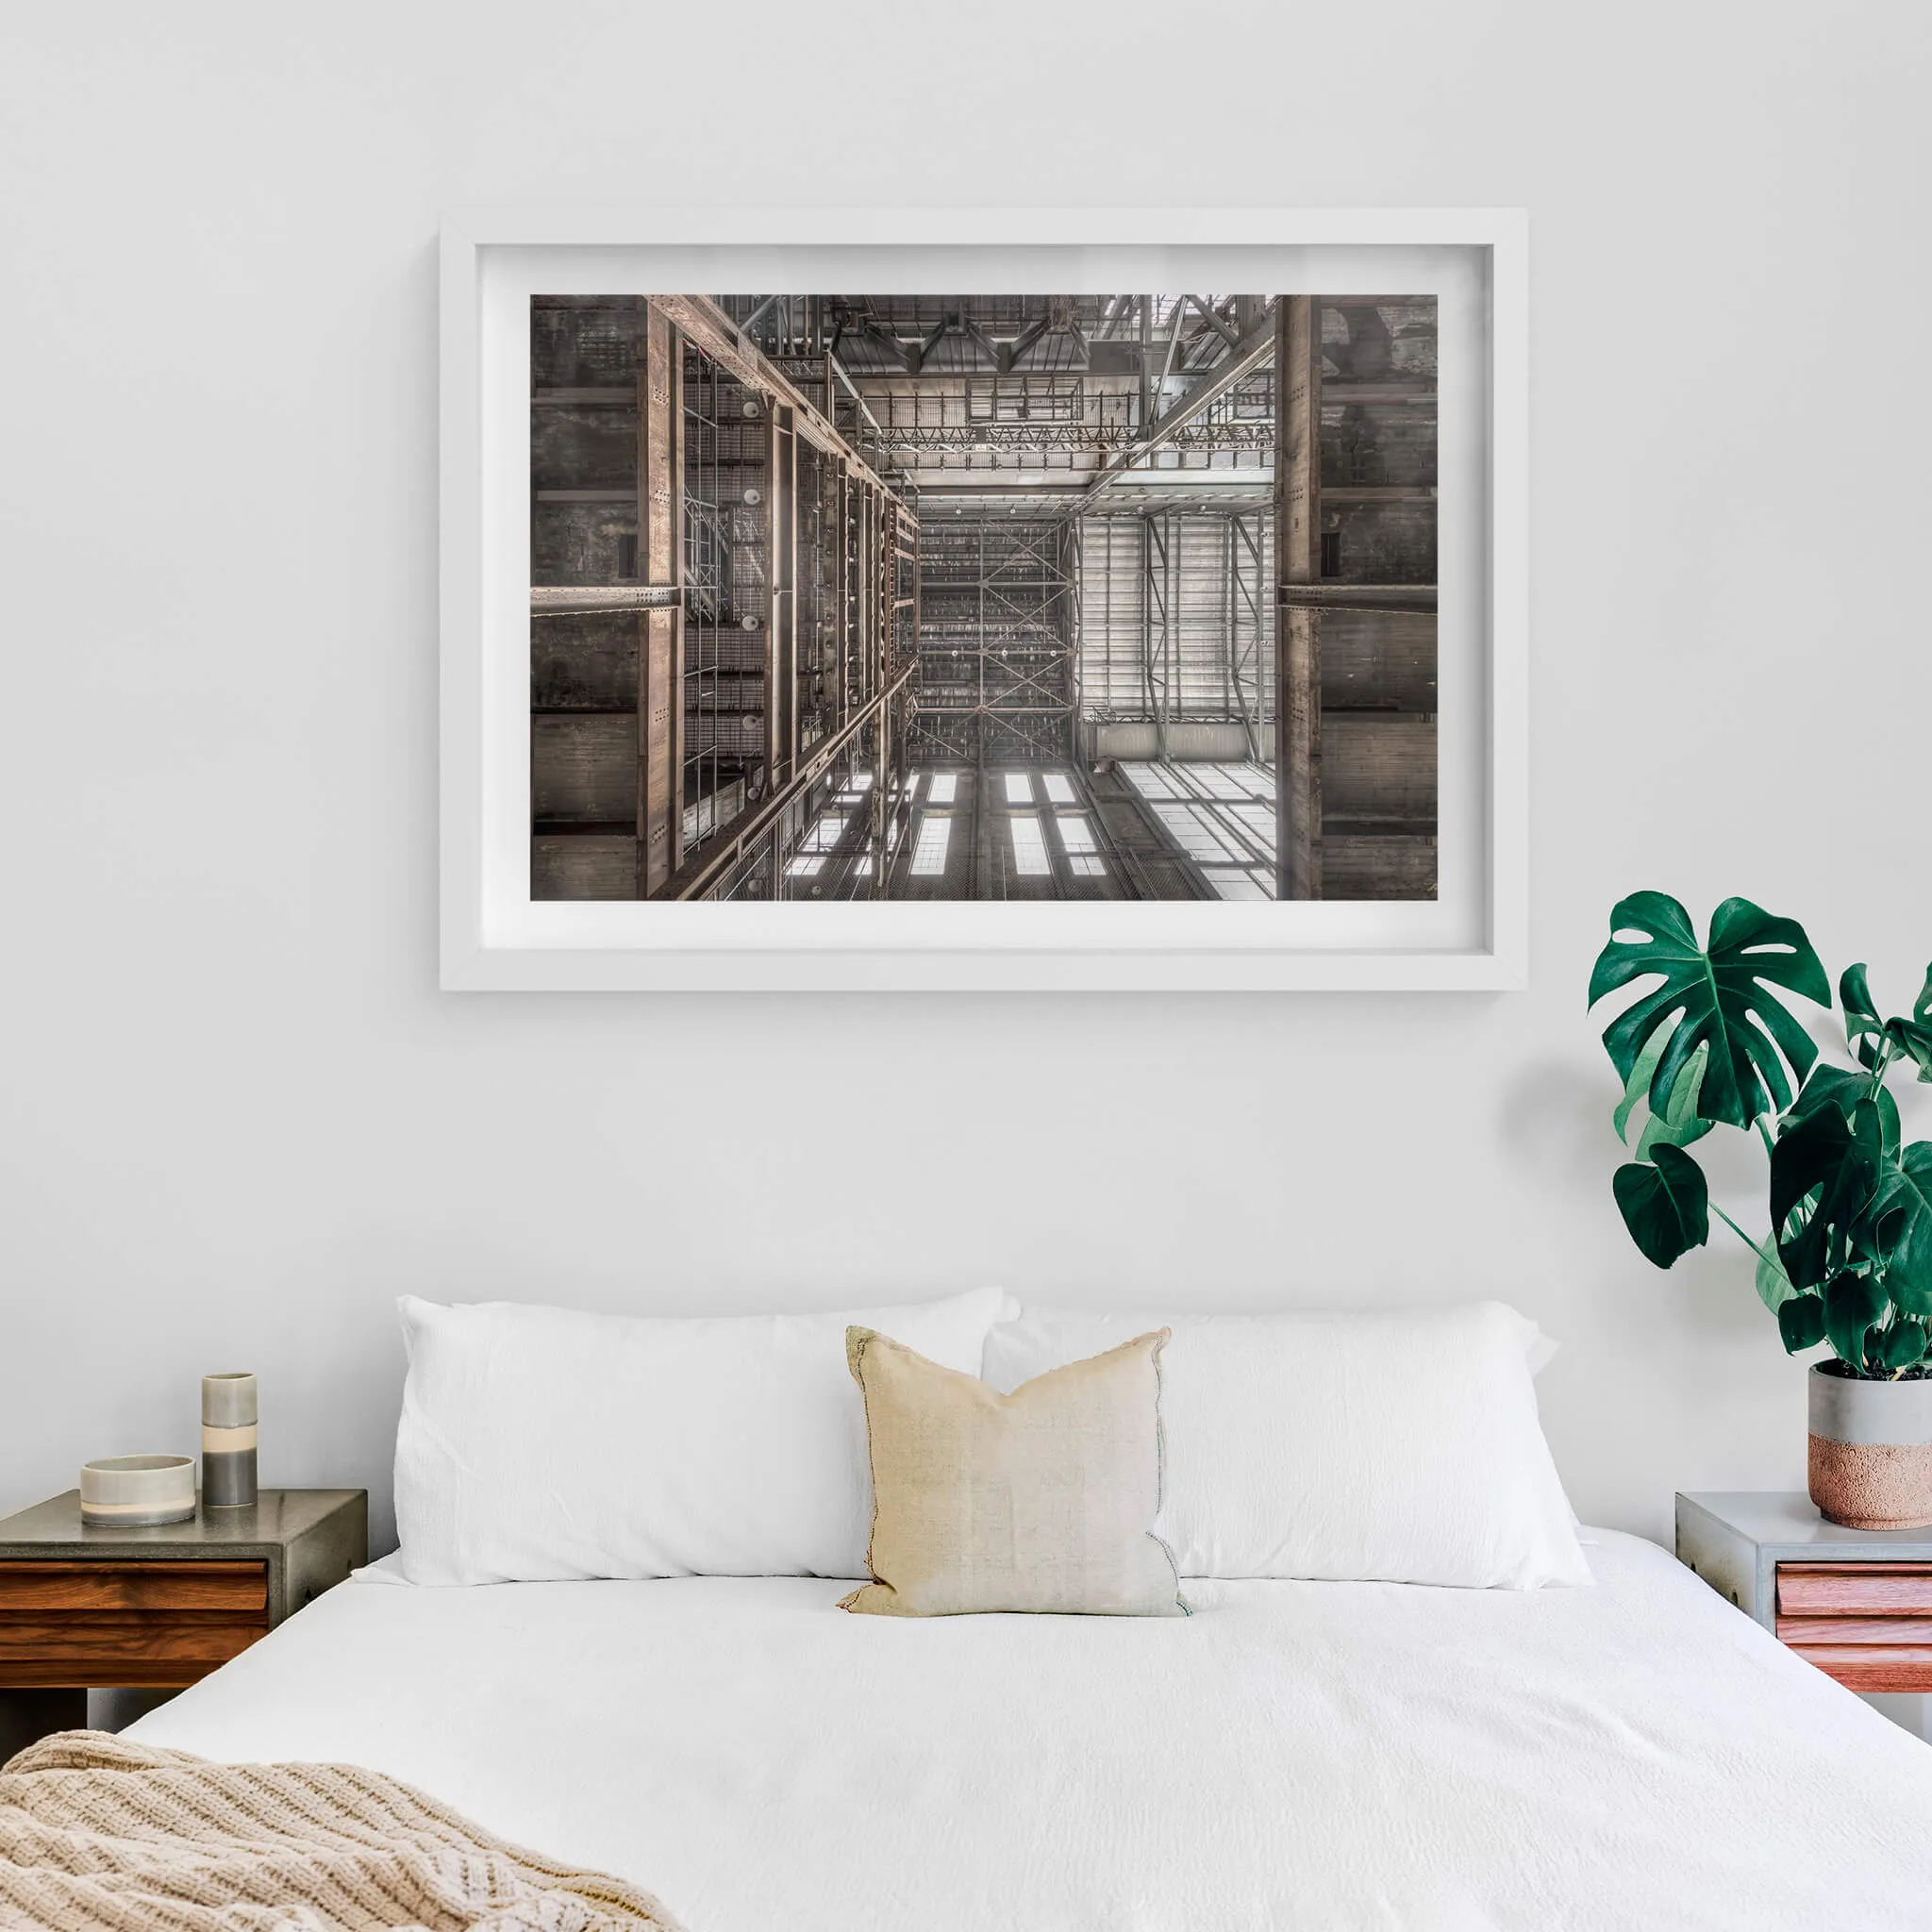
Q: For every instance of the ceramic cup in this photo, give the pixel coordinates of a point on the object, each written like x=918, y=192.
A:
x=135, y=1490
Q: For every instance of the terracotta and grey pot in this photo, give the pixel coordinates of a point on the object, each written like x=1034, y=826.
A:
x=1871, y=1455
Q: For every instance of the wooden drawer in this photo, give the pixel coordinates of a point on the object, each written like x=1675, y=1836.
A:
x=1867, y=1624
x=1872, y=1666
x=141, y=1624
x=232, y=1587
x=1854, y=1590
x=1855, y=1629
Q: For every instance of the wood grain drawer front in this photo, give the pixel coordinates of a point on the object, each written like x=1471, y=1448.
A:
x=1872, y=1666
x=1867, y=1624
x=237, y=1588
x=155, y=1623
x=1854, y=1590
x=125, y=1647
x=1890, y=1631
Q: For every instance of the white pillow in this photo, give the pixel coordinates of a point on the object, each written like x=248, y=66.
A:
x=1403, y=1447
x=545, y=1443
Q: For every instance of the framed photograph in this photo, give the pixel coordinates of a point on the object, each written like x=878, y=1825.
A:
x=984, y=600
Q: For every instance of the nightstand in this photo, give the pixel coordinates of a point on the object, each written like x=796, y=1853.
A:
x=82, y=1606
x=1857, y=1602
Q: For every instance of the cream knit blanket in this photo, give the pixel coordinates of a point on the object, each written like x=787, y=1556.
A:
x=101, y=1834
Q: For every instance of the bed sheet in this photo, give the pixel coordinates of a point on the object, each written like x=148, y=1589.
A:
x=1633, y=1757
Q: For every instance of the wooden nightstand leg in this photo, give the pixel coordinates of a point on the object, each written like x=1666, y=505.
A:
x=27, y=1716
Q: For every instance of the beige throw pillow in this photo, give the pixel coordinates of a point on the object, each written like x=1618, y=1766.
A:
x=1040, y=1500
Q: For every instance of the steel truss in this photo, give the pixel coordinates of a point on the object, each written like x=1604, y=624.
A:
x=1059, y=414
x=1103, y=375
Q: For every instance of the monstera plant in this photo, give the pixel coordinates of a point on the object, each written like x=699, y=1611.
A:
x=1847, y=1256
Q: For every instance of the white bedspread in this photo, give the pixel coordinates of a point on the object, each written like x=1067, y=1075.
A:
x=1328, y=1756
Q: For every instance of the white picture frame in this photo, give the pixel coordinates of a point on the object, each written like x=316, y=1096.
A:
x=495, y=938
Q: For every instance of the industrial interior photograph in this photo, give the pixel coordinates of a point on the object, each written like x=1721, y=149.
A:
x=983, y=598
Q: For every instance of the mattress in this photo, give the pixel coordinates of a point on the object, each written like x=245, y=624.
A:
x=1336, y=1756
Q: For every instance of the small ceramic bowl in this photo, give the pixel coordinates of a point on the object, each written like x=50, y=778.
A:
x=135, y=1490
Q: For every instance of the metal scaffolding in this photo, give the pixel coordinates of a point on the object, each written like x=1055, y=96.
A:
x=996, y=634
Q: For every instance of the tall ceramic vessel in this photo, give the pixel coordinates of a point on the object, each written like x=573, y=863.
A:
x=1871, y=1450
x=228, y=1442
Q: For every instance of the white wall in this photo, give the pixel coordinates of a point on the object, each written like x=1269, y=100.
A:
x=236, y=1116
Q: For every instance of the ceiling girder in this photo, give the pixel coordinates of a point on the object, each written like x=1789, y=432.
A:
x=1255, y=348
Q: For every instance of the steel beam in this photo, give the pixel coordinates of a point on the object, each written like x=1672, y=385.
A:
x=583, y=600
x=1240, y=538
x=908, y=353
x=1413, y=600
x=841, y=628
x=988, y=347
x=1174, y=344
x=703, y=322
x=1147, y=422
x=1260, y=483
x=1215, y=322
x=1018, y=347
x=1242, y=362
x=1298, y=567
x=706, y=872
x=758, y=315
x=781, y=622
x=661, y=695
x=844, y=375
x=933, y=337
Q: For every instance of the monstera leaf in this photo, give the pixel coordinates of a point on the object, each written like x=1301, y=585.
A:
x=1902, y=1345
x=1666, y=1207
x=1824, y=1173
x=1678, y=1124
x=1900, y=1219
x=1773, y=1285
x=1826, y=1086
x=1801, y=1321
x=1864, y=1029
x=1917, y=1037
x=1720, y=996
x=1867, y=1033
x=1852, y=1305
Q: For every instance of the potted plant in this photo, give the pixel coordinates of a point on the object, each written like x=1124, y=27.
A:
x=1847, y=1259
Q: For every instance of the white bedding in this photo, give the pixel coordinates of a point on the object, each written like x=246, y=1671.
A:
x=1329, y=1756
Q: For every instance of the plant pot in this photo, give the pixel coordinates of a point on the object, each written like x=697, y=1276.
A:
x=1871, y=1451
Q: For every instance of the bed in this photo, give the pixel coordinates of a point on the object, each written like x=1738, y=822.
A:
x=1637, y=1756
